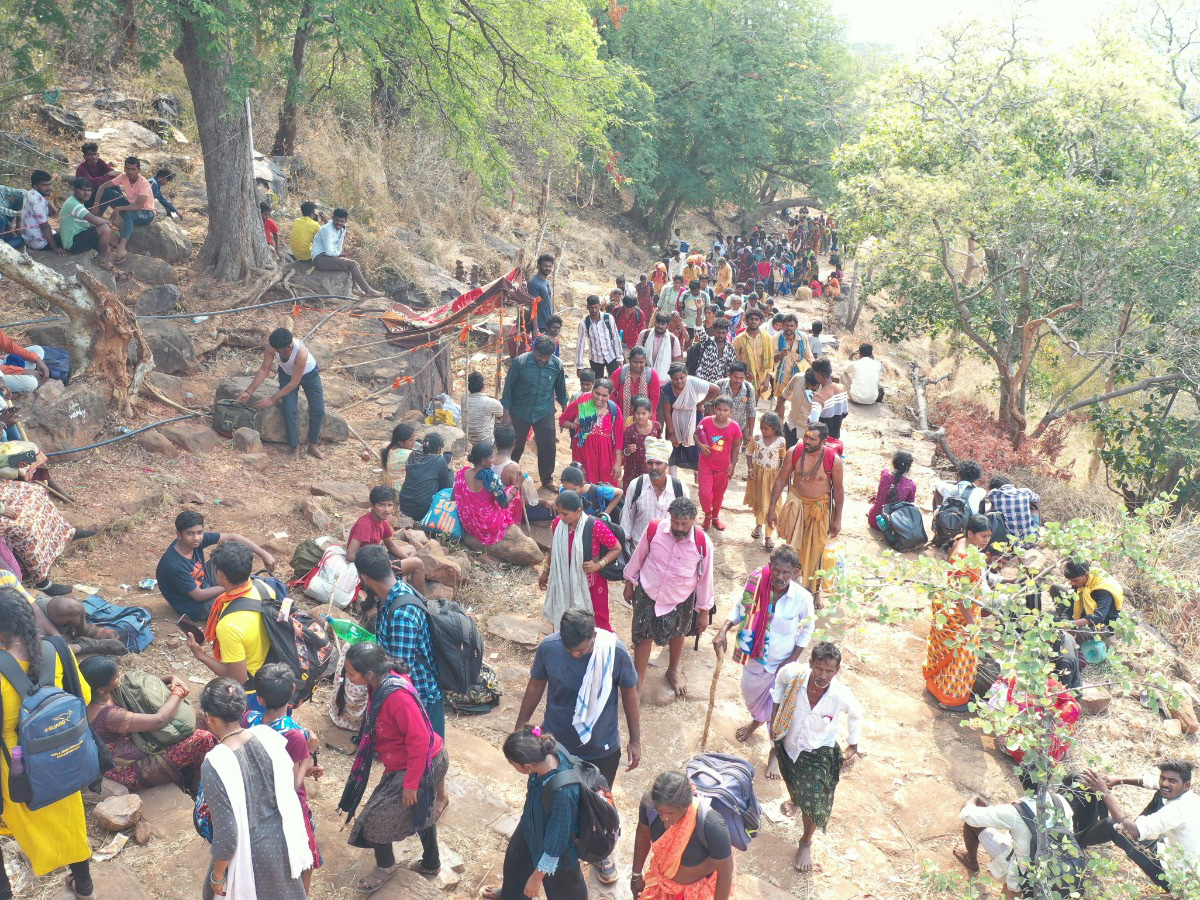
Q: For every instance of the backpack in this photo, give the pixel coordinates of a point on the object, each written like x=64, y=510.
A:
x=727, y=783
x=58, y=362
x=457, y=643
x=297, y=639
x=950, y=519
x=903, y=526
x=615, y=570
x=307, y=555
x=132, y=623
x=831, y=455
x=229, y=415
x=1067, y=865
x=482, y=697
x=60, y=753
x=333, y=580
x=442, y=517
x=999, y=529
x=141, y=692
x=676, y=487
x=700, y=537
x=599, y=824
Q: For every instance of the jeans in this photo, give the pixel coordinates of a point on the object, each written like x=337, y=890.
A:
x=565, y=884
x=13, y=225
x=19, y=384
x=605, y=370
x=327, y=263
x=834, y=424
x=1143, y=854
x=543, y=433
x=110, y=198
x=314, y=393
x=431, y=857
x=131, y=217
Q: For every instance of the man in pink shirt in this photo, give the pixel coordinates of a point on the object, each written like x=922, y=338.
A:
x=131, y=199
x=669, y=582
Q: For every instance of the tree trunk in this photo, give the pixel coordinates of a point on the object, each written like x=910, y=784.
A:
x=664, y=228
x=102, y=325
x=285, y=135
x=235, y=245
x=125, y=40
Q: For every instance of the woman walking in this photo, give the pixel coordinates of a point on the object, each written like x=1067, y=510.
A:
x=259, y=842
x=541, y=853
x=596, y=427
x=567, y=577
x=55, y=835
x=397, y=730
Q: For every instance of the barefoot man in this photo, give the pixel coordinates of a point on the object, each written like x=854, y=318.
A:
x=298, y=370
x=775, y=623
x=804, y=727
x=812, y=517
x=669, y=582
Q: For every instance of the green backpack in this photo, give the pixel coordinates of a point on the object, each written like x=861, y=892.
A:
x=306, y=557
x=141, y=692
x=229, y=415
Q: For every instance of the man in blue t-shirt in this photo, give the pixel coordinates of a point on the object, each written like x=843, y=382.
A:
x=183, y=579
x=561, y=666
x=543, y=299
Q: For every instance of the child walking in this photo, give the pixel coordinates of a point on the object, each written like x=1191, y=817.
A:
x=764, y=456
x=634, y=449
x=719, y=438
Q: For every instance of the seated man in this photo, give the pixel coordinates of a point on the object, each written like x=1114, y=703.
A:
x=304, y=230
x=329, y=254
x=479, y=411
x=11, y=201
x=1018, y=506
x=183, y=579
x=1003, y=830
x=966, y=488
x=131, y=200
x=80, y=231
x=94, y=169
x=36, y=214
x=1164, y=841
x=23, y=378
x=861, y=375
x=512, y=475
x=373, y=527
x=162, y=178
x=1098, y=597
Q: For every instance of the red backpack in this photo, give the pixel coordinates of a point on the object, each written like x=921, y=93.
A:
x=831, y=454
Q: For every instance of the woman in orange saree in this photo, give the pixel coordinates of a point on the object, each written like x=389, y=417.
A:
x=691, y=857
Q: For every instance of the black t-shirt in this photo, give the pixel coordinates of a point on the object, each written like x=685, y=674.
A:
x=178, y=575
x=716, y=834
x=424, y=475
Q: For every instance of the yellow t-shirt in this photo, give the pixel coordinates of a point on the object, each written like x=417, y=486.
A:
x=243, y=636
x=304, y=229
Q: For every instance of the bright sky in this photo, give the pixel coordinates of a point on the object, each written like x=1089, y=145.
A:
x=906, y=24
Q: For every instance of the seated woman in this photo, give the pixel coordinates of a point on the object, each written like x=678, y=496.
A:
x=597, y=498
x=894, y=487
x=425, y=473
x=14, y=440
x=1057, y=701
x=35, y=531
x=138, y=768
x=485, y=506
x=394, y=456
x=688, y=845
x=950, y=658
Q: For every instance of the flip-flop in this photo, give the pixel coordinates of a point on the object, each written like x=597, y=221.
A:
x=71, y=888
x=369, y=884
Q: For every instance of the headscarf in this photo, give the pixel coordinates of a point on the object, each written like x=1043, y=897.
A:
x=658, y=450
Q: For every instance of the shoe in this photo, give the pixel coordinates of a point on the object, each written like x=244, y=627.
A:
x=718, y=524
x=606, y=871
x=82, y=534
x=50, y=589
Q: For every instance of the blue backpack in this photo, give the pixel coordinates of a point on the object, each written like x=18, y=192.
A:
x=132, y=623
x=59, y=754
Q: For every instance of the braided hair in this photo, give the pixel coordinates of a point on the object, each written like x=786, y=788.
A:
x=16, y=618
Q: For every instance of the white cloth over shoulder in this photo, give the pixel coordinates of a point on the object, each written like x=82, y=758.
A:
x=568, y=583
x=597, y=684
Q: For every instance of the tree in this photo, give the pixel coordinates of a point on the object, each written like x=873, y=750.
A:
x=1045, y=181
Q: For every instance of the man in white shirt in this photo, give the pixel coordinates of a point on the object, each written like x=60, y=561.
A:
x=1003, y=831
x=776, y=622
x=328, y=251
x=479, y=411
x=861, y=376
x=804, y=728
x=662, y=348
x=966, y=488
x=598, y=333
x=1164, y=841
x=648, y=496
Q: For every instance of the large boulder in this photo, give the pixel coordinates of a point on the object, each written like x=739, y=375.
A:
x=162, y=239
x=273, y=430
x=73, y=418
x=308, y=280
x=520, y=630
x=148, y=269
x=158, y=300
x=170, y=386
x=171, y=345
x=454, y=439
x=68, y=266
x=515, y=548
x=52, y=334
x=344, y=493
x=192, y=438
x=128, y=134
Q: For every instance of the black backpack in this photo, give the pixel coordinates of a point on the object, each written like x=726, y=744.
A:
x=457, y=643
x=950, y=519
x=1066, y=867
x=615, y=570
x=999, y=529
x=676, y=486
x=297, y=639
x=903, y=526
x=599, y=823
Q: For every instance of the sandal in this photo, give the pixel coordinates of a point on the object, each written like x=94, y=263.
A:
x=369, y=884
x=71, y=888
x=419, y=867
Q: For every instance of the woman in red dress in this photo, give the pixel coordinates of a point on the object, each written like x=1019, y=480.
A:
x=596, y=427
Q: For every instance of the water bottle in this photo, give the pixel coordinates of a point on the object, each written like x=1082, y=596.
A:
x=18, y=761
x=881, y=522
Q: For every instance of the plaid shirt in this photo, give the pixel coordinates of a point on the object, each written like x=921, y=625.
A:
x=10, y=199
x=745, y=404
x=1014, y=504
x=403, y=631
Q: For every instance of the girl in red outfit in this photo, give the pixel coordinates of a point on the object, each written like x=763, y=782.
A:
x=719, y=439
x=566, y=570
x=630, y=321
x=397, y=730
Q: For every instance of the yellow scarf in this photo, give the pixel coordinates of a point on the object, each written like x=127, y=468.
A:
x=1085, y=603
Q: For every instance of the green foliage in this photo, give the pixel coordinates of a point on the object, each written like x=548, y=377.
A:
x=1153, y=448
x=738, y=92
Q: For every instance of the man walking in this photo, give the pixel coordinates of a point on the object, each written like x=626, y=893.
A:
x=534, y=382
x=813, y=514
x=298, y=370
x=830, y=403
x=662, y=348
x=582, y=671
x=804, y=727
x=649, y=496
x=669, y=583
x=738, y=387
x=714, y=355
x=753, y=347
x=598, y=332
x=328, y=254
x=536, y=320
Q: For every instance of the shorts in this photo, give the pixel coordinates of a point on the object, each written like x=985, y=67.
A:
x=679, y=622
x=86, y=240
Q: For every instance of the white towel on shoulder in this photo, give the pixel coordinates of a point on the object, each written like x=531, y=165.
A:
x=597, y=685
x=568, y=584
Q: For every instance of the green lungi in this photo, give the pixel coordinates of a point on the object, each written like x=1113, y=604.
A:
x=811, y=779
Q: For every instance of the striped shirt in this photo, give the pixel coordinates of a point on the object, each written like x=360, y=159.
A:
x=601, y=338
x=829, y=401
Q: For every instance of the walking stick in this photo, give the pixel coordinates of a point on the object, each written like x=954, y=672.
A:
x=712, y=701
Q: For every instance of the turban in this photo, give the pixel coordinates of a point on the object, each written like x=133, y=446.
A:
x=658, y=450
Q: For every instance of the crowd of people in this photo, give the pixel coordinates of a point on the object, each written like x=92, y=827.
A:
x=690, y=368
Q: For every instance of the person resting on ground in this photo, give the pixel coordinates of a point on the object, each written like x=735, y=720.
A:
x=374, y=527
x=36, y=532
x=394, y=456
x=426, y=472
x=131, y=200
x=140, y=759
x=894, y=487
x=486, y=507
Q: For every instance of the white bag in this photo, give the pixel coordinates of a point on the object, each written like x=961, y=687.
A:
x=335, y=580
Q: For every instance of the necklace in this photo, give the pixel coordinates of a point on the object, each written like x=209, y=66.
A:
x=807, y=474
x=231, y=734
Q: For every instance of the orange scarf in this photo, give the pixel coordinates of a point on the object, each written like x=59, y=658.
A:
x=218, y=607
x=665, y=858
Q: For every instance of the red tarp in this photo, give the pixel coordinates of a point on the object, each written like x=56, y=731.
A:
x=411, y=326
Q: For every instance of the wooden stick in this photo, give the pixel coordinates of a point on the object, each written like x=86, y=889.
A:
x=712, y=701
x=350, y=428
x=162, y=398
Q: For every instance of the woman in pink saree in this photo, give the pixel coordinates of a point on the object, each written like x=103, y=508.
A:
x=485, y=506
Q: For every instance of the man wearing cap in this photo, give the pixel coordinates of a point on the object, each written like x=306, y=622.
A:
x=649, y=495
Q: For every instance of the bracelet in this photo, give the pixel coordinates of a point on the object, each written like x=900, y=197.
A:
x=636, y=876
x=214, y=881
